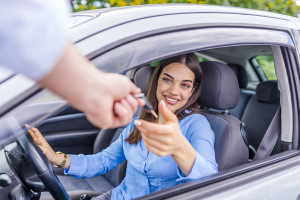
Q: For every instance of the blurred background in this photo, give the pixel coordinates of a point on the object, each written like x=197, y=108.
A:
x=286, y=7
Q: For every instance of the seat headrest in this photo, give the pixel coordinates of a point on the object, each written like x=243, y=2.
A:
x=267, y=91
x=220, y=87
x=241, y=75
x=142, y=78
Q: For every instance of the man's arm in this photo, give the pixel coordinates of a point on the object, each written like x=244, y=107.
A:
x=34, y=43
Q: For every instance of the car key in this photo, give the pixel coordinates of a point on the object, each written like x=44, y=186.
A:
x=148, y=107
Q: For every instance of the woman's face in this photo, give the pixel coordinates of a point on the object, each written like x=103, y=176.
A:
x=175, y=85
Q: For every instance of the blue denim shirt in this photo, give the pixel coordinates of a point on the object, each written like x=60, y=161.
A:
x=147, y=173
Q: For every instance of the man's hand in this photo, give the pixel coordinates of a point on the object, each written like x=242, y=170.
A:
x=105, y=98
x=117, y=105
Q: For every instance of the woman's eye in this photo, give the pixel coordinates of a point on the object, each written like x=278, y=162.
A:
x=166, y=80
x=186, y=85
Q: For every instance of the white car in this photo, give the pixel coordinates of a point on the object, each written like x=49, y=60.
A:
x=254, y=113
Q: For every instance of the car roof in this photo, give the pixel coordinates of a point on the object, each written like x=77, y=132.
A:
x=165, y=9
x=102, y=19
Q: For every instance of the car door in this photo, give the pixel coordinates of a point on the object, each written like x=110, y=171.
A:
x=173, y=42
x=69, y=131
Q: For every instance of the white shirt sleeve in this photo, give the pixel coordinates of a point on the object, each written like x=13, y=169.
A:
x=33, y=35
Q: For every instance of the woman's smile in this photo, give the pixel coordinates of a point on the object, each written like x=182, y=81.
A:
x=171, y=100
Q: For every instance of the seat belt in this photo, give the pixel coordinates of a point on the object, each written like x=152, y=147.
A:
x=270, y=138
x=246, y=140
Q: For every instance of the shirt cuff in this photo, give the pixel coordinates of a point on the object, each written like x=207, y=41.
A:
x=74, y=169
x=200, y=169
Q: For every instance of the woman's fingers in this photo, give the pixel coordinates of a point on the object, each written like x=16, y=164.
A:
x=161, y=143
x=156, y=148
x=150, y=127
x=162, y=140
x=41, y=142
x=32, y=134
x=33, y=131
x=36, y=136
x=37, y=132
x=27, y=126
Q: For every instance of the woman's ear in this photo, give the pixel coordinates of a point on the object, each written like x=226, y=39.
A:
x=193, y=91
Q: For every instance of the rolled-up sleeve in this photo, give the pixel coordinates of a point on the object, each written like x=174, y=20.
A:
x=197, y=172
x=201, y=137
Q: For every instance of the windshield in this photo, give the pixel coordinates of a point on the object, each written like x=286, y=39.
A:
x=32, y=111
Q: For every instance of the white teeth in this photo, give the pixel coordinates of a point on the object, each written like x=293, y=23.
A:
x=173, y=100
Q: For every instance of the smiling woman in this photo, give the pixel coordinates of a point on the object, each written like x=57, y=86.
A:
x=188, y=65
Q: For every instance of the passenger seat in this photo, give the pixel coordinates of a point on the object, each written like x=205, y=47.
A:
x=245, y=94
x=260, y=111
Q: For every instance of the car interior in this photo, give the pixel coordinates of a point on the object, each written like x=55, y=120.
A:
x=237, y=98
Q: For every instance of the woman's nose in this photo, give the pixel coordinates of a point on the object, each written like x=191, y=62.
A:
x=174, y=89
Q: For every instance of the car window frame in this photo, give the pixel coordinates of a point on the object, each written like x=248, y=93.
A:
x=290, y=61
x=237, y=35
x=257, y=68
x=289, y=45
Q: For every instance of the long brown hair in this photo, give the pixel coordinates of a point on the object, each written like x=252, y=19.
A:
x=191, y=61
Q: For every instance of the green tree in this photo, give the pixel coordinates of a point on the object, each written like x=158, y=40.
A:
x=287, y=7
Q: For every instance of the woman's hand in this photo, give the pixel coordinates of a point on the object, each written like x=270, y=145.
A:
x=40, y=141
x=167, y=139
x=162, y=139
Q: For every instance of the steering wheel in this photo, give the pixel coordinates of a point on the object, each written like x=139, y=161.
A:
x=33, y=169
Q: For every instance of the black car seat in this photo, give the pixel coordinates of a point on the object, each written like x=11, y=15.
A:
x=99, y=184
x=260, y=111
x=245, y=94
x=220, y=91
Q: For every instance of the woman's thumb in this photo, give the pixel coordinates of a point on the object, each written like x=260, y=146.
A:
x=167, y=114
